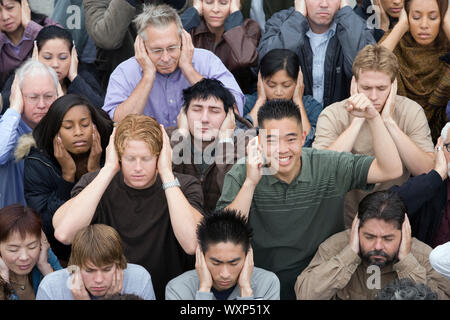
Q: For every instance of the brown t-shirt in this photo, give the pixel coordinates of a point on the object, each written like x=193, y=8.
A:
x=141, y=217
x=335, y=119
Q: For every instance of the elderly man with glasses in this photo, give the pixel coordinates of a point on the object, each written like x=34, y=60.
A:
x=165, y=63
x=34, y=89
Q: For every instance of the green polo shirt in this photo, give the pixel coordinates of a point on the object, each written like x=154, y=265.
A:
x=290, y=221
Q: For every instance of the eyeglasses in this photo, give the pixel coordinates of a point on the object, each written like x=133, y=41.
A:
x=158, y=52
x=35, y=98
x=446, y=145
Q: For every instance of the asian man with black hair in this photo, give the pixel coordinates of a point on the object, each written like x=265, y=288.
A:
x=297, y=202
x=224, y=267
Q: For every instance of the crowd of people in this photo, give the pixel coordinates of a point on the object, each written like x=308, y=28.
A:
x=225, y=150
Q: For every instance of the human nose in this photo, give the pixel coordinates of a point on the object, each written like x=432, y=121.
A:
x=204, y=115
x=224, y=272
x=215, y=7
x=278, y=91
x=23, y=255
x=78, y=131
x=138, y=165
x=323, y=3
x=4, y=14
x=379, y=244
x=424, y=23
x=165, y=56
x=98, y=278
x=283, y=147
x=54, y=63
x=373, y=94
x=41, y=104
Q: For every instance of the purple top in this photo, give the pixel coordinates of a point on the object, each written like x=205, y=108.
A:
x=12, y=56
x=166, y=99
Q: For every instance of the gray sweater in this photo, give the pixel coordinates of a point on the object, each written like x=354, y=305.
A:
x=136, y=280
x=265, y=286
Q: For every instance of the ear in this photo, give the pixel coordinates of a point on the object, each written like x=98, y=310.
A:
x=304, y=134
x=353, y=87
x=235, y=109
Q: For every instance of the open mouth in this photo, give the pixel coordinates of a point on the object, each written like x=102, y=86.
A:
x=283, y=161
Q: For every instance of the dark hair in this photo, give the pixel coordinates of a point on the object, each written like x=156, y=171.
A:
x=207, y=88
x=280, y=59
x=53, y=32
x=121, y=296
x=36, y=17
x=441, y=40
x=17, y=218
x=279, y=109
x=385, y=205
x=48, y=127
x=224, y=226
x=406, y=289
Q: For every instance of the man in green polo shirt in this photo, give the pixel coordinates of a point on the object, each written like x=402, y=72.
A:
x=293, y=210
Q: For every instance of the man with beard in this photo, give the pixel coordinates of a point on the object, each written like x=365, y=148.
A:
x=355, y=264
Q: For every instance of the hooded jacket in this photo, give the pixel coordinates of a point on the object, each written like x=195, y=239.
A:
x=44, y=188
x=287, y=29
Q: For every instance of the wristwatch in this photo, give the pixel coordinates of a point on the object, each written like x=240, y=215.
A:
x=170, y=184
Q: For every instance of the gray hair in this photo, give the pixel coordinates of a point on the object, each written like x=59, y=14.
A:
x=33, y=67
x=406, y=289
x=445, y=131
x=158, y=16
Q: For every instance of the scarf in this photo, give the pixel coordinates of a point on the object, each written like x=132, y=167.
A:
x=421, y=72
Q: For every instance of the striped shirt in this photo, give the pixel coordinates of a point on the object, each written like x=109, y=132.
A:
x=290, y=221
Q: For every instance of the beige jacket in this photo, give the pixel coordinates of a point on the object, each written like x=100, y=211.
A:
x=337, y=272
